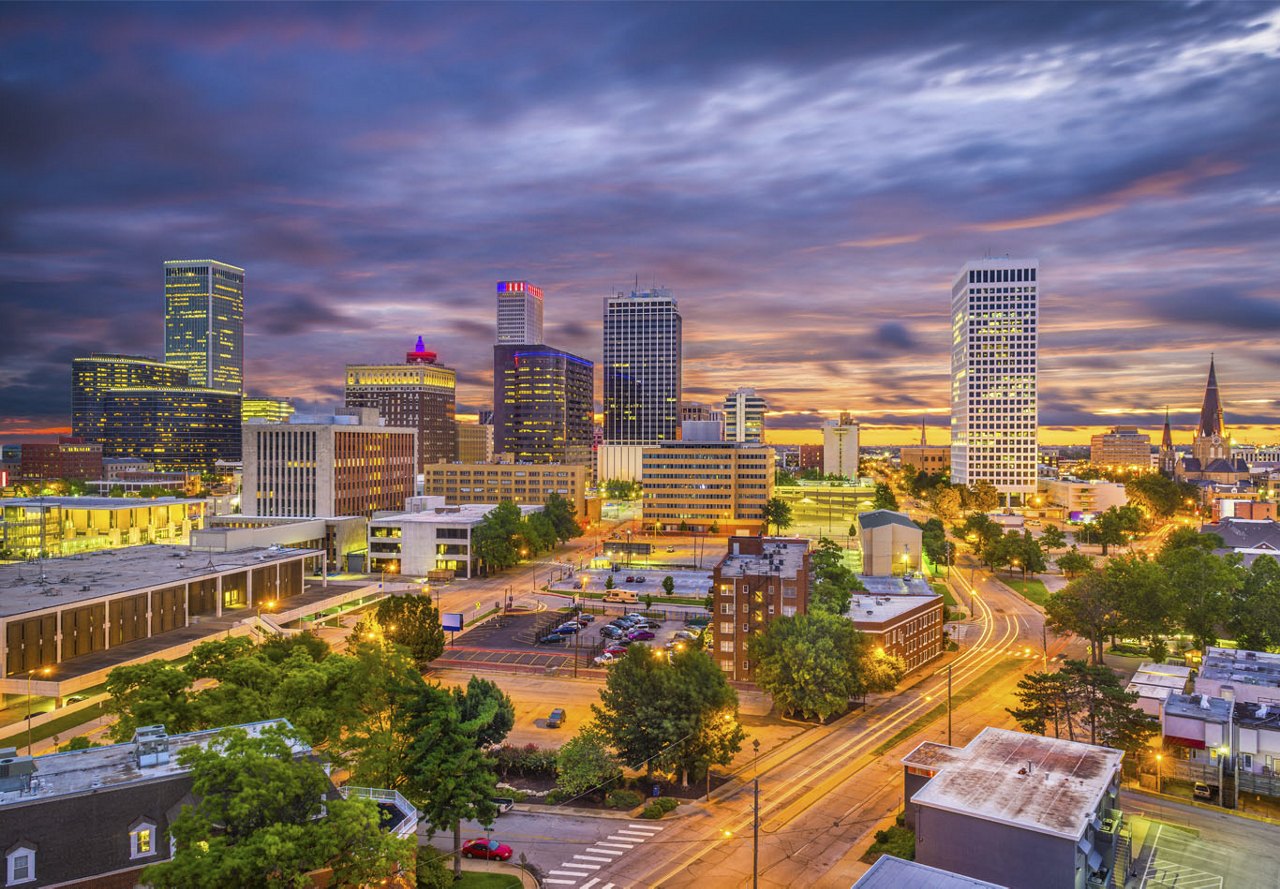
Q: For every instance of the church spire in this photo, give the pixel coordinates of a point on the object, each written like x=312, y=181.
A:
x=1211, y=410
x=1166, y=440
x=924, y=441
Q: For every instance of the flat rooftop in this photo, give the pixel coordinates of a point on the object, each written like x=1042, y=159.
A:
x=86, y=576
x=896, y=873
x=98, y=502
x=779, y=557
x=1245, y=667
x=932, y=755
x=879, y=585
x=84, y=771
x=1048, y=785
x=1158, y=681
x=462, y=514
x=1202, y=707
x=865, y=608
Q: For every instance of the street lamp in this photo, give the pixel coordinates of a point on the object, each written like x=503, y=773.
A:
x=1159, y=783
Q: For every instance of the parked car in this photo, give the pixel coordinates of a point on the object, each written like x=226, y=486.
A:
x=640, y=635
x=639, y=578
x=615, y=650
x=629, y=620
x=568, y=629
x=488, y=849
x=671, y=549
x=626, y=597
x=1202, y=790
x=552, y=639
x=697, y=623
x=612, y=632
x=503, y=803
x=605, y=659
x=557, y=718
x=631, y=578
x=688, y=635
x=584, y=618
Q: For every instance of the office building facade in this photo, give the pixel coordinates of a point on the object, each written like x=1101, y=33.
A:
x=744, y=412
x=204, y=322
x=475, y=443
x=94, y=376
x=840, y=447
x=701, y=485
x=1123, y=447
x=266, y=408
x=179, y=428
x=642, y=367
x=418, y=394
x=519, y=313
x=343, y=465
x=544, y=405
x=460, y=483
x=994, y=418
x=69, y=458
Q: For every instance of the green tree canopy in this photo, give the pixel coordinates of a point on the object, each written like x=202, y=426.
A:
x=259, y=822
x=586, y=765
x=1088, y=703
x=563, y=517
x=1087, y=607
x=777, y=513
x=412, y=621
x=150, y=693
x=884, y=497
x=1073, y=563
x=485, y=711
x=1053, y=538
x=1255, y=607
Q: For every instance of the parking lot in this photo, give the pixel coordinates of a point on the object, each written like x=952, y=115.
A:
x=1178, y=858
x=644, y=580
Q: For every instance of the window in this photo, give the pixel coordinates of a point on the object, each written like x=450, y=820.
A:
x=142, y=840
x=20, y=866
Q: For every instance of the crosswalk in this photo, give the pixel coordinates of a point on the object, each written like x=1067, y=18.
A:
x=580, y=869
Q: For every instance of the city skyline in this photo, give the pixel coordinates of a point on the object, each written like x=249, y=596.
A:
x=805, y=178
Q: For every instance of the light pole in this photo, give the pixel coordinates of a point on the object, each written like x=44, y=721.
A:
x=948, y=705
x=755, y=821
x=1159, y=783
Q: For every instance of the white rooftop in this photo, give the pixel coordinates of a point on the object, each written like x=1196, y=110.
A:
x=461, y=514
x=866, y=608
x=1232, y=665
x=1158, y=681
x=82, y=771
x=782, y=557
x=1048, y=785
x=97, y=502
x=896, y=873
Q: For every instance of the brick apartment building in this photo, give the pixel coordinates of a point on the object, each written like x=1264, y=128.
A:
x=70, y=458
x=760, y=578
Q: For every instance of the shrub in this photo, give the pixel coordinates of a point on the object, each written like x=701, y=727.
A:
x=529, y=761
x=555, y=797
x=666, y=803
x=623, y=799
x=653, y=812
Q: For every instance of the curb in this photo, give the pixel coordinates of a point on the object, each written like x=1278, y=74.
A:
x=1196, y=804
x=683, y=810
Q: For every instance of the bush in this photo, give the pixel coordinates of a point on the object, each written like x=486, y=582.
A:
x=555, y=797
x=623, y=799
x=529, y=761
x=653, y=812
x=432, y=872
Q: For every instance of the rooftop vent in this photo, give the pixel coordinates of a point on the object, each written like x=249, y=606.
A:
x=16, y=772
x=151, y=745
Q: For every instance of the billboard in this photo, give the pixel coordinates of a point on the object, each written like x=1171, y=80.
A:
x=451, y=621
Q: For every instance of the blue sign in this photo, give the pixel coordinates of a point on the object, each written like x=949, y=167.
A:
x=451, y=621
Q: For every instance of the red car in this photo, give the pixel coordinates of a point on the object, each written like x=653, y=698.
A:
x=490, y=849
x=616, y=650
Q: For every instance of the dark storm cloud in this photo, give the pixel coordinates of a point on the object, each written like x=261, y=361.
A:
x=807, y=177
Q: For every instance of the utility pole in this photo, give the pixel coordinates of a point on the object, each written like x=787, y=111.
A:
x=755, y=822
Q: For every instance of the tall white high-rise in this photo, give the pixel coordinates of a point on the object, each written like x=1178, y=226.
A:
x=994, y=317
x=204, y=322
x=744, y=412
x=519, y=313
x=642, y=367
x=840, y=447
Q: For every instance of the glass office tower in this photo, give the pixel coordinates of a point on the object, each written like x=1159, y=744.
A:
x=642, y=367
x=204, y=322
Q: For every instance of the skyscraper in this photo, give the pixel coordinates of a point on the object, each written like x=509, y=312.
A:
x=204, y=322
x=642, y=367
x=840, y=447
x=418, y=394
x=744, y=412
x=544, y=404
x=994, y=317
x=519, y=313
x=101, y=372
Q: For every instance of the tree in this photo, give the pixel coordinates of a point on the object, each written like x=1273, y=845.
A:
x=669, y=585
x=1203, y=586
x=809, y=663
x=412, y=621
x=1086, y=700
x=383, y=687
x=1114, y=526
x=1074, y=563
x=1159, y=495
x=884, y=497
x=1086, y=606
x=704, y=712
x=493, y=540
x=621, y=489
x=982, y=497
x=630, y=713
x=585, y=764
x=1053, y=538
x=834, y=581
x=609, y=582
x=150, y=693
x=563, y=517
x=1041, y=700
x=1255, y=607
x=933, y=540
x=1144, y=602
x=783, y=478
x=485, y=710
x=261, y=819
x=946, y=501
x=777, y=512
x=448, y=777
x=980, y=530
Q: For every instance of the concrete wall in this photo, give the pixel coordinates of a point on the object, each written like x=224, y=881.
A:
x=883, y=548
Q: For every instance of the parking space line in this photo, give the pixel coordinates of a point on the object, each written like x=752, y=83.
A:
x=591, y=882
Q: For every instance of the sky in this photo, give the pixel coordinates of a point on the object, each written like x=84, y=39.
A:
x=807, y=179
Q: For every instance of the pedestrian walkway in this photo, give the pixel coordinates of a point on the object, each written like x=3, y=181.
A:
x=580, y=870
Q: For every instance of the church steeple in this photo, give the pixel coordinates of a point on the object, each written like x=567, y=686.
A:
x=924, y=441
x=1211, y=410
x=1166, y=440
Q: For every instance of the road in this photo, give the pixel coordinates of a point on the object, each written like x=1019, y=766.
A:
x=823, y=793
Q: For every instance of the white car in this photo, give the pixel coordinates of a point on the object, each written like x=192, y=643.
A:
x=604, y=660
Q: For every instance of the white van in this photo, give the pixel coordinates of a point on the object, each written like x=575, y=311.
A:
x=626, y=597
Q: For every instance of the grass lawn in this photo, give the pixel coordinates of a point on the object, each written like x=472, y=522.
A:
x=1031, y=589
x=897, y=841
x=483, y=880
x=59, y=727
x=945, y=592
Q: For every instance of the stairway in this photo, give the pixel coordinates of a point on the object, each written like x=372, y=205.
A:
x=1123, y=859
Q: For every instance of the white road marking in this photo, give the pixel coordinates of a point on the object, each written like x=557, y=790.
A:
x=607, y=886
x=575, y=865
x=634, y=835
x=626, y=846
x=591, y=882
x=561, y=882
x=625, y=839
x=614, y=852
x=566, y=873
x=592, y=858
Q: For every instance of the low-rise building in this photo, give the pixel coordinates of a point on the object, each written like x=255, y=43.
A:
x=431, y=536
x=62, y=526
x=1082, y=499
x=68, y=458
x=759, y=579
x=1154, y=683
x=833, y=506
x=113, y=466
x=1252, y=510
x=1248, y=538
x=339, y=536
x=906, y=626
x=1232, y=746
x=148, y=481
x=699, y=485
x=97, y=817
x=891, y=543
x=1018, y=810
x=931, y=459
x=889, y=872
x=521, y=483
x=88, y=605
x=1252, y=676
x=475, y=443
